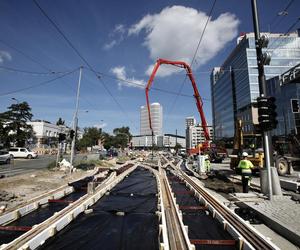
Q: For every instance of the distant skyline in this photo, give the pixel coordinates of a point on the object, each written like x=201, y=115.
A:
x=121, y=39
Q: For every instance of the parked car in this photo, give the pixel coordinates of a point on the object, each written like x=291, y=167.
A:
x=5, y=157
x=22, y=153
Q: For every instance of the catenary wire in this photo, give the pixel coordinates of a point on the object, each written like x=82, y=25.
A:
x=195, y=54
x=36, y=73
x=38, y=84
x=25, y=55
x=275, y=20
x=80, y=55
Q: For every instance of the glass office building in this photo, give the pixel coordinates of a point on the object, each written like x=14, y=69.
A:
x=234, y=85
x=288, y=118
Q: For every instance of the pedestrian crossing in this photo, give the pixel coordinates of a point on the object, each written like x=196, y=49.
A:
x=9, y=172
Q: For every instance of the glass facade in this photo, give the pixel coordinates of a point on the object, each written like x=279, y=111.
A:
x=234, y=86
x=288, y=122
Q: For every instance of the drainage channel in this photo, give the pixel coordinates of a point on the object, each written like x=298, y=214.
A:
x=125, y=218
x=15, y=229
x=203, y=230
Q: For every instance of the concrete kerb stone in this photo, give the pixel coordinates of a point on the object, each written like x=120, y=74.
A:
x=273, y=221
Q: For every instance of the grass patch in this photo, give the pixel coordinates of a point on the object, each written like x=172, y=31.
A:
x=51, y=165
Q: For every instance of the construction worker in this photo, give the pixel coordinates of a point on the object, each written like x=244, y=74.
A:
x=207, y=164
x=245, y=167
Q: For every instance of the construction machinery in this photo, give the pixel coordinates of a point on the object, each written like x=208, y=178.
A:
x=286, y=154
x=257, y=158
x=205, y=146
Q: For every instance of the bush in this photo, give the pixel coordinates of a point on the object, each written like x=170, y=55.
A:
x=51, y=165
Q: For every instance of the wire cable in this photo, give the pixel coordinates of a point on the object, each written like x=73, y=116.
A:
x=25, y=55
x=79, y=54
x=282, y=14
x=38, y=84
x=14, y=70
x=195, y=53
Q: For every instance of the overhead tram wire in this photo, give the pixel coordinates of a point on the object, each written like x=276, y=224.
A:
x=285, y=34
x=79, y=54
x=25, y=55
x=139, y=86
x=36, y=73
x=195, y=53
x=278, y=15
x=38, y=84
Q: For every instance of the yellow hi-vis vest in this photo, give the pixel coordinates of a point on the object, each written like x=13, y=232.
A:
x=245, y=166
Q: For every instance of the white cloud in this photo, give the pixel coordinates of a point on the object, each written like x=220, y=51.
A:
x=100, y=125
x=109, y=45
x=120, y=73
x=117, y=36
x=4, y=55
x=175, y=32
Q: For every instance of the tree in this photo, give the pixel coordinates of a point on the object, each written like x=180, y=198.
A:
x=90, y=137
x=60, y=122
x=13, y=125
x=122, y=137
x=177, y=147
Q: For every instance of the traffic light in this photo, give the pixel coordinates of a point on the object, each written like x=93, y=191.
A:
x=72, y=133
x=267, y=113
x=295, y=105
x=61, y=137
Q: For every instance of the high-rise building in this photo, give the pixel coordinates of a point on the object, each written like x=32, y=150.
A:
x=190, y=121
x=234, y=86
x=156, y=119
x=195, y=136
x=286, y=89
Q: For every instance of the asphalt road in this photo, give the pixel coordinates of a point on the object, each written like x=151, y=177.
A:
x=20, y=166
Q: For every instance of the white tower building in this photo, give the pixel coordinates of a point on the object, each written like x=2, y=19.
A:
x=156, y=119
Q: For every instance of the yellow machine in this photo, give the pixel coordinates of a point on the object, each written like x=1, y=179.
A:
x=257, y=159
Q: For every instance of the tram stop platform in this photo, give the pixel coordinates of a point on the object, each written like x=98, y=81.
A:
x=281, y=214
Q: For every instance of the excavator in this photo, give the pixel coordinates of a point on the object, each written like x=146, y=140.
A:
x=286, y=154
x=205, y=147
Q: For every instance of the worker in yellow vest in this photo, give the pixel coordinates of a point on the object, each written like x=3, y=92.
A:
x=207, y=164
x=245, y=167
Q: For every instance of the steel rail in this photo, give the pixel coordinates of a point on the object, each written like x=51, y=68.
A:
x=254, y=238
x=87, y=200
x=178, y=238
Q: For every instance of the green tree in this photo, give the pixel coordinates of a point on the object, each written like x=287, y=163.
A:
x=90, y=137
x=60, y=122
x=122, y=137
x=14, y=127
x=177, y=147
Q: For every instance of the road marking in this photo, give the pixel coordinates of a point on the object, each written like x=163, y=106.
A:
x=8, y=171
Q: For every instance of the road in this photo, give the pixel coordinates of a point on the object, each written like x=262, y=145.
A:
x=20, y=166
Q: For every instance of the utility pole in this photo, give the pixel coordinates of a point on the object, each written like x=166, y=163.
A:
x=262, y=91
x=75, y=120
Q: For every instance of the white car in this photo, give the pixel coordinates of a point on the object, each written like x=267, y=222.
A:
x=22, y=153
x=5, y=157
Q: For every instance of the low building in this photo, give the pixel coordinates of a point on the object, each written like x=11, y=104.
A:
x=163, y=141
x=47, y=133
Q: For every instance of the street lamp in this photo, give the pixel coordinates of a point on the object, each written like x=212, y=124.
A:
x=15, y=99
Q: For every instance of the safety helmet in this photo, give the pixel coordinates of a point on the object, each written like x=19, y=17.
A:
x=245, y=154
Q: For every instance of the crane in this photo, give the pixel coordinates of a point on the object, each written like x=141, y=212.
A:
x=198, y=99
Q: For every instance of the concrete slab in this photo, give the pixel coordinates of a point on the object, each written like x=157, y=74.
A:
x=290, y=185
x=282, y=214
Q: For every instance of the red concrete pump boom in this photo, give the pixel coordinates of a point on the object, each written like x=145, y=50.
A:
x=199, y=102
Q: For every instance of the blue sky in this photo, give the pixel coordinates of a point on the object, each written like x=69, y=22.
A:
x=120, y=39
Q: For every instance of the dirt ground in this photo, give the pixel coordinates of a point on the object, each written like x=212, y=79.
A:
x=21, y=188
